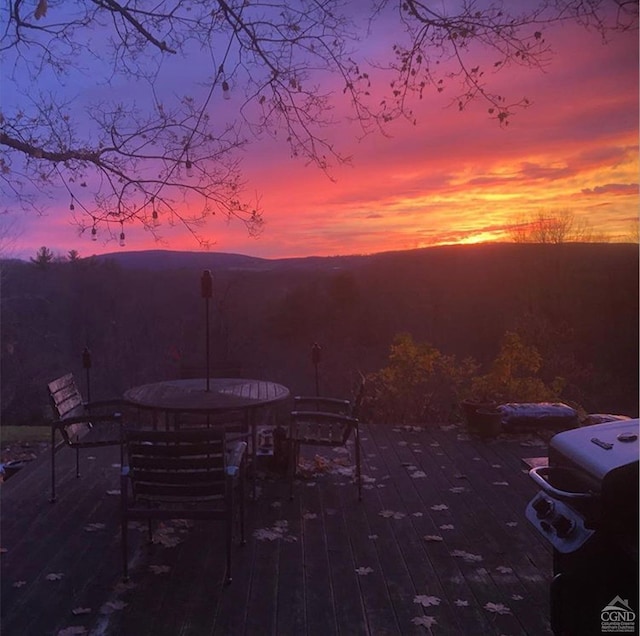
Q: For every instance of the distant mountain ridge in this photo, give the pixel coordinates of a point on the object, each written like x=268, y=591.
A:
x=159, y=260
x=163, y=260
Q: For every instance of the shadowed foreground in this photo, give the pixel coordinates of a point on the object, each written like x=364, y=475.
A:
x=438, y=545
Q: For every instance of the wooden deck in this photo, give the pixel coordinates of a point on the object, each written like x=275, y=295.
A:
x=439, y=545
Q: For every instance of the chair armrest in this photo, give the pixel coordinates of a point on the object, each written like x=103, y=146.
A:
x=321, y=403
x=235, y=455
x=94, y=419
x=323, y=415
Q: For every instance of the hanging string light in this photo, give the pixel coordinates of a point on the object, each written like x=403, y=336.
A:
x=226, y=92
x=94, y=233
x=122, y=243
x=71, y=205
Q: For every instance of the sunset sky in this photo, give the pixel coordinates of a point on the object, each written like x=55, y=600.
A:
x=455, y=177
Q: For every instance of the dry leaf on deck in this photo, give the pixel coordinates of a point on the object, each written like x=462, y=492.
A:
x=426, y=601
x=497, y=608
x=425, y=621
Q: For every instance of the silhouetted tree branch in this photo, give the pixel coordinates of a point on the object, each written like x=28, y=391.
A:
x=157, y=155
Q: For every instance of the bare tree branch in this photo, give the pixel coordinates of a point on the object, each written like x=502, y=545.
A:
x=167, y=157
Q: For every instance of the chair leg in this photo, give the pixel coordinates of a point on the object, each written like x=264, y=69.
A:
x=293, y=463
x=125, y=548
x=229, y=524
x=358, y=468
x=53, y=465
x=243, y=540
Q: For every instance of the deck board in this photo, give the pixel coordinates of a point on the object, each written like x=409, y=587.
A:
x=322, y=563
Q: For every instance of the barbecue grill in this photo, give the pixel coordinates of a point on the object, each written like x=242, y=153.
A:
x=587, y=508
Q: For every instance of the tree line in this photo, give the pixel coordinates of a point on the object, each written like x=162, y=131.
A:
x=576, y=305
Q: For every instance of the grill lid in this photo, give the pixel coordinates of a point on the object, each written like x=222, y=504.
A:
x=599, y=450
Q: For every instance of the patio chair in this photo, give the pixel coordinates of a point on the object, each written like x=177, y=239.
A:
x=81, y=424
x=182, y=474
x=324, y=421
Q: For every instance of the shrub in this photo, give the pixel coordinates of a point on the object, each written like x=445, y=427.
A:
x=513, y=375
x=419, y=383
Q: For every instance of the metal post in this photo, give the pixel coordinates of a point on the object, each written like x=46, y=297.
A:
x=86, y=364
x=315, y=359
x=206, y=291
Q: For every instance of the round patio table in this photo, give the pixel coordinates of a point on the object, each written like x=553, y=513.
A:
x=192, y=396
x=208, y=397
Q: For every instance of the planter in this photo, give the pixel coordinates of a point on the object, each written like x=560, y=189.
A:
x=470, y=410
x=488, y=422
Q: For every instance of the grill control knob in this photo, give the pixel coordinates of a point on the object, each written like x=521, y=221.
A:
x=563, y=526
x=543, y=507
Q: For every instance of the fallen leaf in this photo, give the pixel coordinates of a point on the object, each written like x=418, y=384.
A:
x=364, y=570
x=418, y=474
x=417, y=514
x=467, y=556
x=425, y=621
x=276, y=504
x=517, y=597
x=457, y=489
x=432, y=537
x=279, y=530
x=113, y=493
x=500, y=483
x=309, y=515
x=440, y=507
x=512, y=524
x=159, y=569
x=373, y=537
x=75, y=630
x=460, y=603
x=426, y=601
x=503, y=569
x=497, y=608
x=19, y=584
x=54, y=576
x=387, y=514
x=112, y=606
x=78, y=611
x=124, y=586
x=93, y=527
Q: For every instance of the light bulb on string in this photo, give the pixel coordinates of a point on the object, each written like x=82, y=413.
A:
x=94, y=233
x=121, y=235
x=71, y=206
x=226, y=93
x=189, y=167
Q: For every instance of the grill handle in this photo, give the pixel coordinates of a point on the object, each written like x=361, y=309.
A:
x=538, y=475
